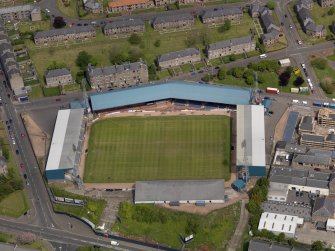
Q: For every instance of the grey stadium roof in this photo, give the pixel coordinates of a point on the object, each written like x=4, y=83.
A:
x=57, y=73
x=228, y=43
x=179, y=190
x=221, y=12
x=64, y=31
x=124, y=23
x=178, y=54
x=290, y=126
x=161, y=19
x=170, y=90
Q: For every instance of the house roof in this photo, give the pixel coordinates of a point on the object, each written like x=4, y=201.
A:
x=231, y=42
x=254, y=8
x=167, y=90
x=303, y=211
x=124, y=23
x=161, y=19
x=307, y=123
x=294, y=148
x=57, y=73
x=312, y=159
x=324, y=206
x=178, y=54
x=108, y=70
x=221, y=12
x=179, y=190
x=64, y=31
x=18, y=8
x=273, y=34
x=267, y=20
x=120, y=3
x=312, y=137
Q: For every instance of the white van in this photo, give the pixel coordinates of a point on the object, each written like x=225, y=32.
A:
x=263, y=56
x=115, y=243
x=295, y=101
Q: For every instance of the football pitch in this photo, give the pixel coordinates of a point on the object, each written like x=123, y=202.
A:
x=129, y=149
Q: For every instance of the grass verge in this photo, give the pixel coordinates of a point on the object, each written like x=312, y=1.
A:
x=15, y=204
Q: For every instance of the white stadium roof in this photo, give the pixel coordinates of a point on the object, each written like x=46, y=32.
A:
x=250, y=139
x=65, y=139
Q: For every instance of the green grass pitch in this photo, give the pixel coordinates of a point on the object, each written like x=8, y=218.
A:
x=158, y=148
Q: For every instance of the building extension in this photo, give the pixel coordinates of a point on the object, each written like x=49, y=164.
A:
x=58, y=36
x=118, y=76
x=176, y=58
x=250, y=139
x=230, y=47
x=180, y=191
x=185, y=92
x=127, y=26
x=66, y=144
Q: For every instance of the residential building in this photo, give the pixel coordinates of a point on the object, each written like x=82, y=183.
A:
x=261, y=245
x=301, y=211
x=176, y=58
x=93, y=6
x=308, y=4
x=312, y=140
x=219, y=16
x=307, y=124
x=326, y=117
x=307, y=23
x=324, y=209
x=229, y=47
x=272, y=32
x=58, y=77
x=21, y=12
x=118, y=76
x=254, y=10
x=56, y=36
x=174, y=21
x=326, y=3
x=280, y=223
x=129, y=5
x=271, y=37
x=300, y=180
x=127, y=26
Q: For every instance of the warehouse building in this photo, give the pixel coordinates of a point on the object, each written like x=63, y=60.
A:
x=201, y=94
x=65, y=148
x=250, y=139
x=180, y=191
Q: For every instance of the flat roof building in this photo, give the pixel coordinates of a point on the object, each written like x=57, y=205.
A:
x=66, y=144
x=181, y=191
x=250, y=139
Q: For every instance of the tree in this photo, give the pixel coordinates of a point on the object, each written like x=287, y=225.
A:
x=84, y=59
x=260, y=47
x=284, y=78
x=59, y=22
x=26, y=238
x=261, y=78
x=331, y=11
x=157, y=43
x=320, y=63
x=225, y=27
x=222, y=73
x=207, y=78
x=134, y=39
x=118, y=57
x=271, y=5
x=289, y=69
x=317, y=246
x=281, y=237
x=237, y=72
x=152, y=72
x=298, y=81
x=232, y=57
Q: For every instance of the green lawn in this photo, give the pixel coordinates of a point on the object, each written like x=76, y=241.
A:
x=320, y=16
x=70, y=11
x=101, y=46
x=36, y=92
x=332, y=57
x=15, y=204
x=211, y=232
x=92, y=209
x=34, y=26
x=51, y=91
x=153, y=148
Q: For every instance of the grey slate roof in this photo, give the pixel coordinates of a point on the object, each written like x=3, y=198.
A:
x=65, y=31
x=94, y=72
x=179, y=190
x=267, y=20
x=320, y=152
x=228, y=43
x=18, y=8
x=221, y=12
x=311, y=159
x=273, y=34
x=294, y=148
x=260, y=245
x=57, y=73
x=290, y=126
x=255, y=8
x=311, y=26
x=178, y=54
x=161, y=19
x=124, y=23
x=302, y=211
x=306, y=19
x=307, y=123
x=312, y=137
x=324, y=206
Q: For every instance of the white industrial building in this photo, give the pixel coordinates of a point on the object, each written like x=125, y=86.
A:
x=65, y=148
x=180, y=191
x=250, y=139
x=280, y=223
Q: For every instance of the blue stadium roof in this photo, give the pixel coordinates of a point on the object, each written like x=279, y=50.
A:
x=176, y=90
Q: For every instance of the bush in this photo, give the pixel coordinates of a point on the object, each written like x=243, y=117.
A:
x=207, y=78
x=152, y=72
x=327, y=87
x=225, y=27
x=157, y=43
x=284, y=78
x=26, y=238
x=298, y=81
x=238, y=72
x=84, y=59
x=222, y=73
x=317, y=246
x=331, y=11
x=59, y=23
x=271, y=5
x=134, y=39
x=319, y=63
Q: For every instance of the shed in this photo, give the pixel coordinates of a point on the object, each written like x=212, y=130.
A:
x=285, y=62
x=238, y=185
